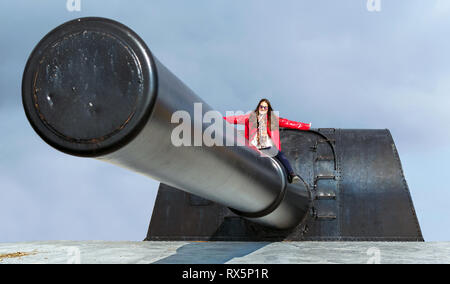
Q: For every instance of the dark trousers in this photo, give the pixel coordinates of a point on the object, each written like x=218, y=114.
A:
x=282, y=158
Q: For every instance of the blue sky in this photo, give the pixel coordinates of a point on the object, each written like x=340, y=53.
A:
x=332, y=63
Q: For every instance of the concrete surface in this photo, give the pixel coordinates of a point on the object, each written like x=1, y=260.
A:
x=223, y=252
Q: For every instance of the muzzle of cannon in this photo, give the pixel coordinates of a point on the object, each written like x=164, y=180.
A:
x=92, y=88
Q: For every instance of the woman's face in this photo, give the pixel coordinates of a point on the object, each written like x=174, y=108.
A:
x=263, y=107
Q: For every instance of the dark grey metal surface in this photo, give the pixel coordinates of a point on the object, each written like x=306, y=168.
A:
x=358, y=187
x=92, y=88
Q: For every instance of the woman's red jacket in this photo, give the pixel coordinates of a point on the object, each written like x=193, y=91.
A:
x=250, y=132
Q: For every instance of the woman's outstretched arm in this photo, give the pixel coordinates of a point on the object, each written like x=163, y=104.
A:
x=283, y=122
x=236, y=119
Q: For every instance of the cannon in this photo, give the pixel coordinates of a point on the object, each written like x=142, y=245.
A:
x=92, y=88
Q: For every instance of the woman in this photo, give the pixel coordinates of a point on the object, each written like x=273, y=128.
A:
x=266, y=138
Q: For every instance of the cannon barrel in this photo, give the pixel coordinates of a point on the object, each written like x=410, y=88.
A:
x=92, y=88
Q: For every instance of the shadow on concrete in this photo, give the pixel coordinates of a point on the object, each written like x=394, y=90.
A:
x=211, y=252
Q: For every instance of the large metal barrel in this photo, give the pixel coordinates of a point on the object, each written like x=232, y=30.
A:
x=92, y=88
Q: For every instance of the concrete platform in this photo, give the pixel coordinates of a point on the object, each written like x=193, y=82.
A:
x=223, y=252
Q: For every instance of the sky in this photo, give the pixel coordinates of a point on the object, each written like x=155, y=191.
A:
x=332, y=63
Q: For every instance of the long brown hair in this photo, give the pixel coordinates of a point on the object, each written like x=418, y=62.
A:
x=269, y=114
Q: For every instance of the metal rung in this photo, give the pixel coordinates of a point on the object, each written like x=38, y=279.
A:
x=328, y=217
x=325, y=195
x=325, y=177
